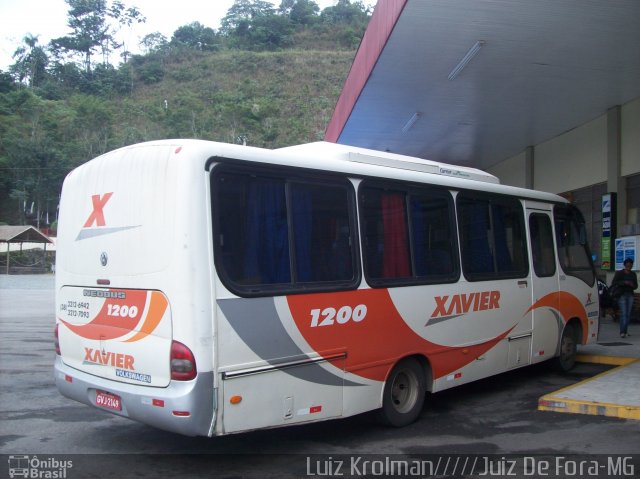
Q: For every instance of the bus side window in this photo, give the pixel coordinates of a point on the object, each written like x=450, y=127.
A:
x=492, y=237
x=385, y=228
x=274, y=234
x=253, y=233
x=408, y=234
x=322, y=233
x=433, y=236
x=475, y=232
x=544, y=262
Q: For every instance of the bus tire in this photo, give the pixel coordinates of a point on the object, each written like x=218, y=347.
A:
x=566, y=359
x=403, y=395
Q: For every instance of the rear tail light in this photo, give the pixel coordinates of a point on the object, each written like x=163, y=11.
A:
x=57, y=340
x=183, y=363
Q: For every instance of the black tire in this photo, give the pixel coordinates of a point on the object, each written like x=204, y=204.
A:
x=568, y=349
x=404, y=394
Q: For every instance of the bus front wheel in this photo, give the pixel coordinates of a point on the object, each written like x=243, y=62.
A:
x=404, y=393
x=568, y=349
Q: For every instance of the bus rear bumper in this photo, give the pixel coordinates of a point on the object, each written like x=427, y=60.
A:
x=182, y=407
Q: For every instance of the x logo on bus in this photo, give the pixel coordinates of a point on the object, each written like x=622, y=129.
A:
x=97, y=215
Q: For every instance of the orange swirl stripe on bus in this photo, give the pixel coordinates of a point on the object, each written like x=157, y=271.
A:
x=110, y=326
x=156, y=311
x=566, y=304
x=377, y=341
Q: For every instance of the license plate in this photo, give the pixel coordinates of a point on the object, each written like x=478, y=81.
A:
x=108, y=400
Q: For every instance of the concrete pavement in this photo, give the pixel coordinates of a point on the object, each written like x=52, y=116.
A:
x=614, y=393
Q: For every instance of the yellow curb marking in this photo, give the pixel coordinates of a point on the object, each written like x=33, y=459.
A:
x=552, y=402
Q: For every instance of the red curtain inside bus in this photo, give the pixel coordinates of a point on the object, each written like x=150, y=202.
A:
x=396, y=253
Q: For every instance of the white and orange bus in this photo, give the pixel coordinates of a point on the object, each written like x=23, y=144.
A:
x=208, y=289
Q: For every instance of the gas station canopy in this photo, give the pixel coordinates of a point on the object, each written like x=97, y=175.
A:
x=474, y=82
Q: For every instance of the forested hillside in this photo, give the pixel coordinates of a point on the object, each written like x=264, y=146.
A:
x=269, y=77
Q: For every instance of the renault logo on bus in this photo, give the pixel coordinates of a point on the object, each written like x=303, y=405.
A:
x=448, y=307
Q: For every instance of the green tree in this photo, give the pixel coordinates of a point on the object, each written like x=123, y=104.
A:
x=286, y=6
x=6, y=82
x=30, y=155
x=196, y=36
x=304, y=12
x=31, y=62
x=255, y=25
x=345, y=11
x=125, y=17
x=87, y=20
x=68, y=76
x=92, y=125
x=149, y=70
x=154, y=42
x=349, y=19
x=269, y=32
x=91, y=30
x=242, y=13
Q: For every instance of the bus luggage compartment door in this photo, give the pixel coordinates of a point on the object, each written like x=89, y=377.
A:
x=519, y=351
x=268, y=396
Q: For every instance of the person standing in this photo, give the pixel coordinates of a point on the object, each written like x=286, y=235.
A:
x=627, y=281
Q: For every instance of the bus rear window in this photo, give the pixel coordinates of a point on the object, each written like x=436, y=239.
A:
x=278, y=234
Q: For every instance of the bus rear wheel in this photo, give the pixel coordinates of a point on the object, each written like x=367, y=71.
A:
x=404, y=394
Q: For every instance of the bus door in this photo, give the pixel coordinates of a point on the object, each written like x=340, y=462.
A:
x=544, y=281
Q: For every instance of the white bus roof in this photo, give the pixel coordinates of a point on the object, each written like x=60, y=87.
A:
x=391, y=160
x=344, y=159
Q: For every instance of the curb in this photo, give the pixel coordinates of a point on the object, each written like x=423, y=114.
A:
x=600, y=359
x=557, y=401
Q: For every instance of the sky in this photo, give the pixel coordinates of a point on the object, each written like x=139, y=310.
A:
x=48, y=19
